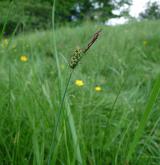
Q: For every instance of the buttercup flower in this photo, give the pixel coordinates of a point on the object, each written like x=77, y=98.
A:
x=79, y=83
x=24, y=58
x=98, y=88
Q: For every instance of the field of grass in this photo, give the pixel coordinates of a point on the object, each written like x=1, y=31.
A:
x=118, y=125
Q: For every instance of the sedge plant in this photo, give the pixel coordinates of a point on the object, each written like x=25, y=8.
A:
x=74, y=60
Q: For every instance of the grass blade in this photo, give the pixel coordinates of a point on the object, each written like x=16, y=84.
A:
x=74, y=134
x=152, y=99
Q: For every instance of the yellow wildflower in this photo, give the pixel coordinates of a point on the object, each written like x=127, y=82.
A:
x=79, y=83
x=24, y=58
x=98, y=88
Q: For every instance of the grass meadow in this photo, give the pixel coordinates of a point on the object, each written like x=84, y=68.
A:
x=111, y=112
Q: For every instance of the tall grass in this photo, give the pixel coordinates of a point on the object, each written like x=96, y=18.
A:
x=91, y=130
x=154, y=94
x=69, y=114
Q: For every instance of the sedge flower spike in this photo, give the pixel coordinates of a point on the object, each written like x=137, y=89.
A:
x=78, y=53
x=75, y=58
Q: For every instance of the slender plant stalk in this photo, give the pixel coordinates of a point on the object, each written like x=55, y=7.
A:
x=74, y=134
x=60, y=85
x=9, y=85
x=58, y=118
x=6, y=20
x=115, y=101
x=73, y=63
x=55, y=48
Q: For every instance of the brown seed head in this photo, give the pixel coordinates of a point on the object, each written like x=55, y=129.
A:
x=78, y=53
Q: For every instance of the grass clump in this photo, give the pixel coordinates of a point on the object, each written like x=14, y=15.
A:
x=121, y=63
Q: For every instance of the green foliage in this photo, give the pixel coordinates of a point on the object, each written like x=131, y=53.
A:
x=152, y=11
x=125, y=58
x=37, y=14
x=27, y=15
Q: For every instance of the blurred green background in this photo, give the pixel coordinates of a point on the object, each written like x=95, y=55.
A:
x=37, y=14
x=33, y=15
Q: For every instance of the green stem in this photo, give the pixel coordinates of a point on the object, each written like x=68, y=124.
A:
x=115, y=101
x=6, y=20
x=9, y=86
x=58, y=118
x=55, y=48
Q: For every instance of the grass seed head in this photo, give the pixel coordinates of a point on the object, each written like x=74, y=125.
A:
x=75, y=58
x=78, y=53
